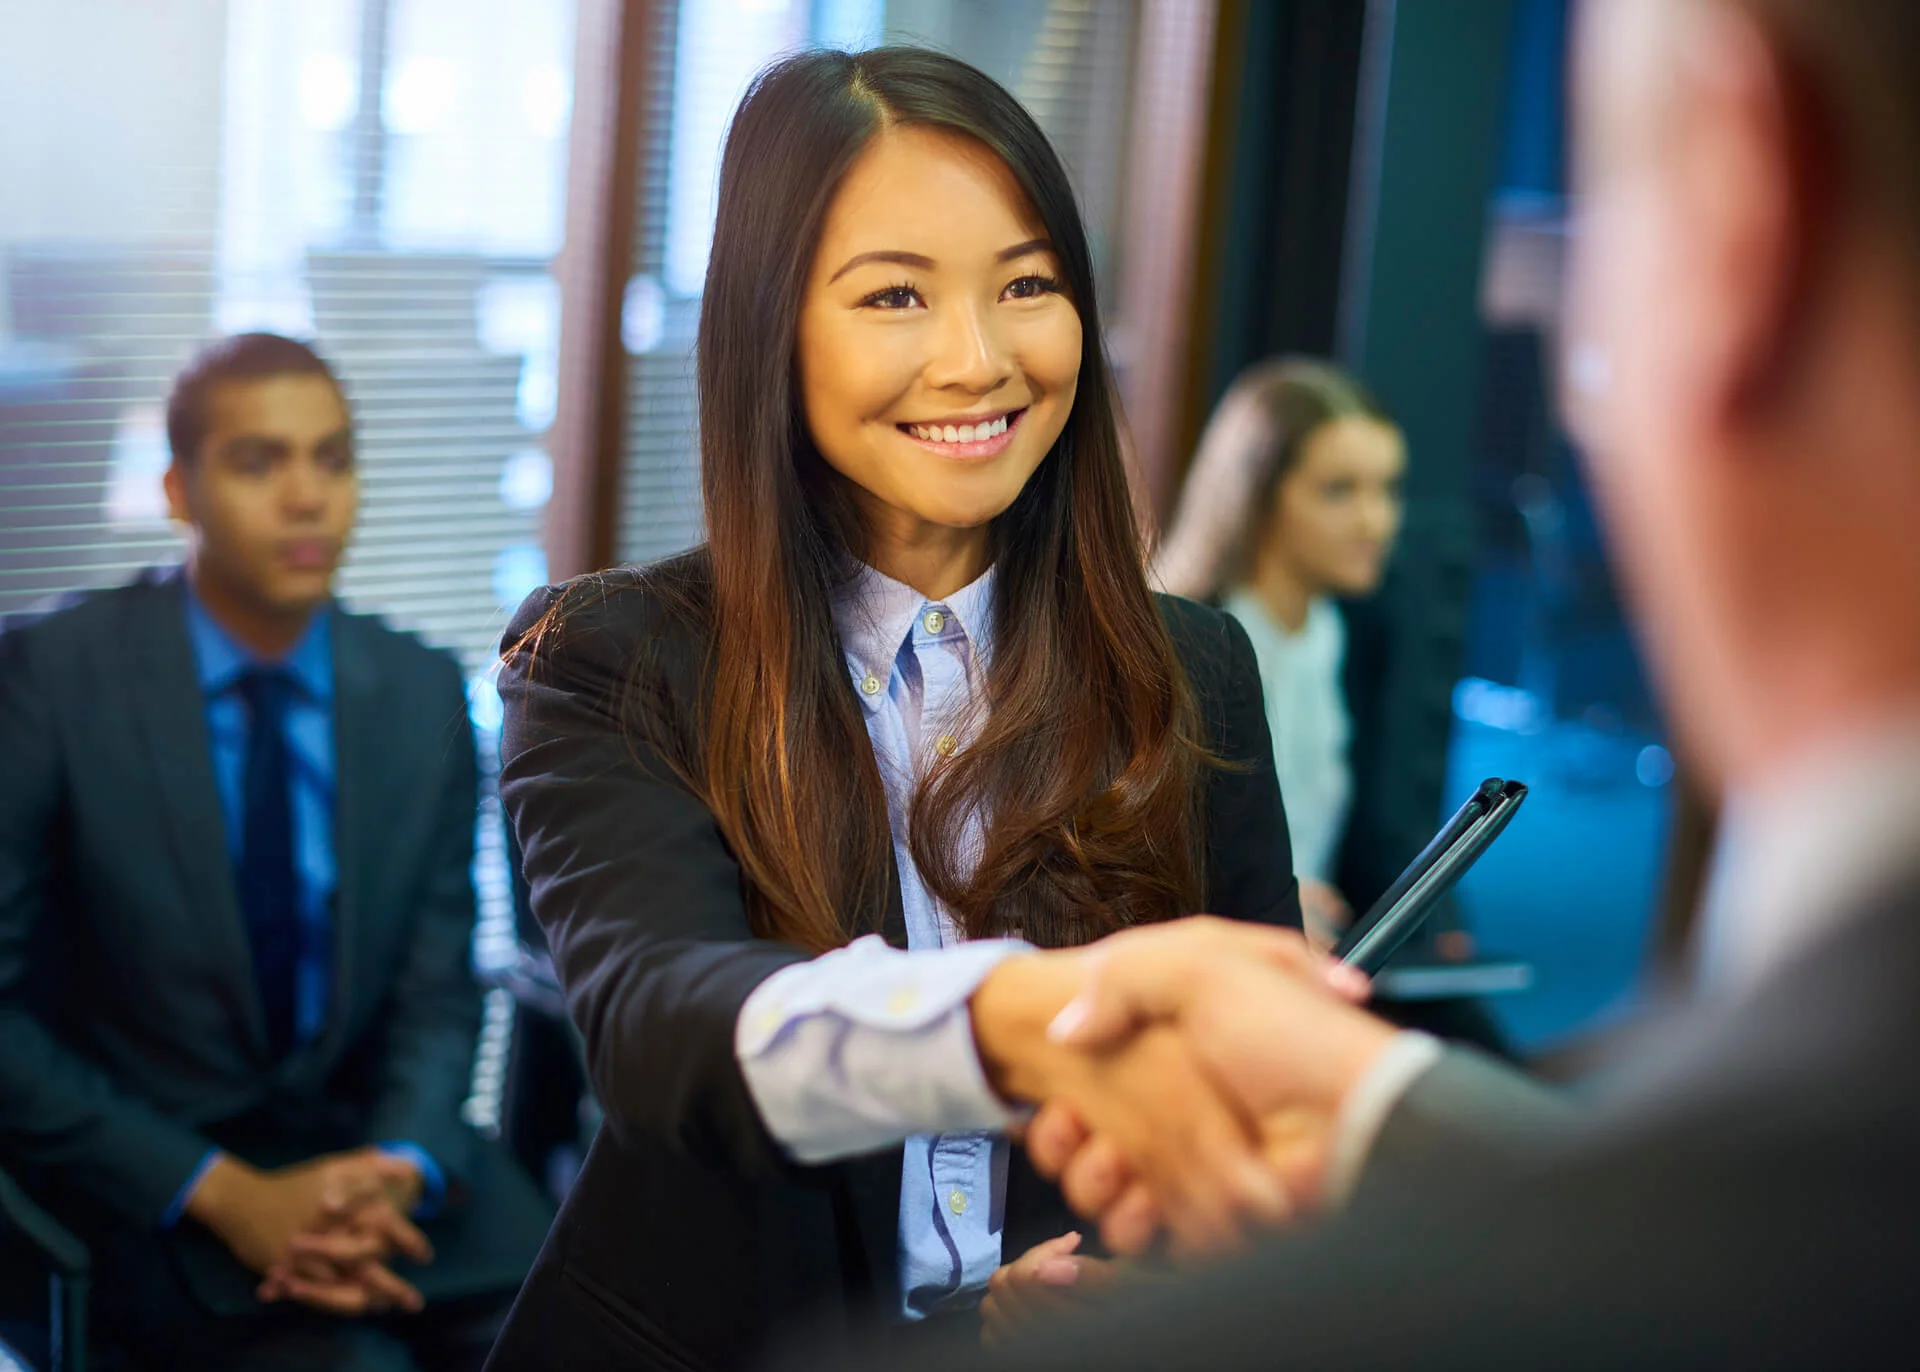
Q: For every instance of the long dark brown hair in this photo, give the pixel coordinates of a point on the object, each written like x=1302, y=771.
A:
x=1088, y=763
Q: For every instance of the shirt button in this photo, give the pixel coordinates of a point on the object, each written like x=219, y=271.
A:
x=957, y=1202
x=902, y=1000
x=935, y=621
x=870, y=684
x=946, y=745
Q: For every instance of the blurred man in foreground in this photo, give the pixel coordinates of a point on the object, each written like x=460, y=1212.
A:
x=1745, y=371
x=235, y=921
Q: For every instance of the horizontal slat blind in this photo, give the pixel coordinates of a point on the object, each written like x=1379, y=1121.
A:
x=181, y=171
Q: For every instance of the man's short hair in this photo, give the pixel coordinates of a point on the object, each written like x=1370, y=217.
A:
x=243, y=357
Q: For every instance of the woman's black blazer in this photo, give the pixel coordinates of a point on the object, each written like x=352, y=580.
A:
x=689, y=1241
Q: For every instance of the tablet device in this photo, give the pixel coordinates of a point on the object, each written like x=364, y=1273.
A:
x=1455, y=829
x=1378, y=934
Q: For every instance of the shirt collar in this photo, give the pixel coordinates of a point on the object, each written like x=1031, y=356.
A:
x=875, y=615
x=1801, y=854
x=221, y=660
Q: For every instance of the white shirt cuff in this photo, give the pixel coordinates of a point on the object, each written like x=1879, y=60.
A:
x=861, y=1047
x=1367, y=1106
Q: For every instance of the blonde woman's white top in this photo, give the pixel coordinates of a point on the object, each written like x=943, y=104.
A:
x=1307, y=714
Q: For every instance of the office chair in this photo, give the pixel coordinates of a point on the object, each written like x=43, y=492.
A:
x=70, y=1270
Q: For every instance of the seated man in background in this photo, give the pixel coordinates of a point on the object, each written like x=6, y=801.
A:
x=236, y=912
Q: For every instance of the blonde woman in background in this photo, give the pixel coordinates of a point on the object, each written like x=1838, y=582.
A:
x=1293, y=501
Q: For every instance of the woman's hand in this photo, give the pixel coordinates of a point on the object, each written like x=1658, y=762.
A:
x=1325, y=913
x=1044, y=1282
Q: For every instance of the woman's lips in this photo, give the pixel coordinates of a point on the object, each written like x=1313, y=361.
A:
x=960, y=449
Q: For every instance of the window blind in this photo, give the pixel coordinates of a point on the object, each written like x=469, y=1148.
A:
x=210, y=167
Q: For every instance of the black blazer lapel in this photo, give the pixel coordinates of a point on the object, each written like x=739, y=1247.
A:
x=167, y=701
x=873, y=1190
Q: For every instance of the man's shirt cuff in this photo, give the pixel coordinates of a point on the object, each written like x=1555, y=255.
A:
x=433, y=1182
x=1404, y=1061
x=184, y=1195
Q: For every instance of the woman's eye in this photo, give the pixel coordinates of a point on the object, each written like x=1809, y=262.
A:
x=1338, y=490
x=893, y=298
x=1030, y=287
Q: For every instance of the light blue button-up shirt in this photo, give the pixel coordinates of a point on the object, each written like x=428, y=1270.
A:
x=862, y=1046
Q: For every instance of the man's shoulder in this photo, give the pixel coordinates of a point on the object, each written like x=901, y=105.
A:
x=77, y=619
x=1839, y=1019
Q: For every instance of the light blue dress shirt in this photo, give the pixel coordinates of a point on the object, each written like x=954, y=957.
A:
x=865, y=1045
x=220, y=661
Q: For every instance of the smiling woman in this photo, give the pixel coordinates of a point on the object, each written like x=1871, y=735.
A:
x=914, y=685
x=935, y=380
x=901, y=219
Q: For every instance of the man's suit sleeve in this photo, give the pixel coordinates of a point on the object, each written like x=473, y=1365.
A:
x=435, y=1007
x=57, y=1110
x=1466, y=1103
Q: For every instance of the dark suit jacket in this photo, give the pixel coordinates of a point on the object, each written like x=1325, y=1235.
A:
x=689, y=1240
x=1746, y=1196
x=133, y=1032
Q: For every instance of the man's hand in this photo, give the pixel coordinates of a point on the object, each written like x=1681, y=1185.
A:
x=1047, y=1280
x=1178, y=1132
x=1268, y=1020
x=319, y=1232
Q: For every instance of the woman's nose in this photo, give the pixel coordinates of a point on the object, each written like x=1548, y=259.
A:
x=1380, y=516
x=968, y=353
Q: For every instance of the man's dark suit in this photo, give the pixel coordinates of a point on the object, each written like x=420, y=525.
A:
x=1747, y=1197
x=689, y=1241
x=133, y=1030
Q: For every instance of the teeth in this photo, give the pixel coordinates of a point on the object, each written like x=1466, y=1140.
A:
x=963, y=433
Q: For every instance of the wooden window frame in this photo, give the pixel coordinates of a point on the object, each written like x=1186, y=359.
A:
x=587, y=440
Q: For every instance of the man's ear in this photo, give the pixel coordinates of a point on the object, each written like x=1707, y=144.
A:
x=1748, y=179
x=175, y=485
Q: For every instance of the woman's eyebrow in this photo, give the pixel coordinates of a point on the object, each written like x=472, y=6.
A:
x=905, y=259
x=1032, y=245
x=924, y=263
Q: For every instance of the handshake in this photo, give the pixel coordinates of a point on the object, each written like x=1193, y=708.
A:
x=1188, y=1076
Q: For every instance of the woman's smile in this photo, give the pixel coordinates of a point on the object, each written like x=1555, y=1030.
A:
x=963, y=439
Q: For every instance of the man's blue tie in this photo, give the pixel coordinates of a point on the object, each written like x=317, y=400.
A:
x=269, y=889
